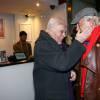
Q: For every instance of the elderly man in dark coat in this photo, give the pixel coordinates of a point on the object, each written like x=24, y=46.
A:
x=52, y=64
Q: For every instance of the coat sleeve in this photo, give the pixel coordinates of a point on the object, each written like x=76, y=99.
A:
x=57, y=59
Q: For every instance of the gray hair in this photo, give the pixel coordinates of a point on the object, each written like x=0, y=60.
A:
x=54, y=21
x=94, y=18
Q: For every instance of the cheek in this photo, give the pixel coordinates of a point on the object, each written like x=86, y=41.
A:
x=61, y=36
x=84, y=26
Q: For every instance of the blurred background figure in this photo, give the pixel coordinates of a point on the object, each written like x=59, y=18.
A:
x=23, y=46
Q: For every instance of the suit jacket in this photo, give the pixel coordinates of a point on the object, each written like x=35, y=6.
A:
x=52, y=66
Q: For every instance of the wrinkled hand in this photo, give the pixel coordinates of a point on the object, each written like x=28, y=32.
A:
x=73, y=76
x=82, y=36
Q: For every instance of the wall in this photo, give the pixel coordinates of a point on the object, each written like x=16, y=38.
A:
x=60, y=12
x=9, y=31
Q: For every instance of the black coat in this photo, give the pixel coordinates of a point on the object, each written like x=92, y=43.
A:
x=51, y=67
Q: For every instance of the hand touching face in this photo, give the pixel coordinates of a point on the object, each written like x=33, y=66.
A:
x=84, y=29
x=73, y=76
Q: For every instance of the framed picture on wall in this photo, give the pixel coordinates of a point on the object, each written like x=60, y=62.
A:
x=2, y=28
x=28, y=29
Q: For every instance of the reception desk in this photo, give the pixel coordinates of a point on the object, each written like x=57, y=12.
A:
x=16, y=81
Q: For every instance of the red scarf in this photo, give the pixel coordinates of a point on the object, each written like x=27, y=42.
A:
x=92, y=40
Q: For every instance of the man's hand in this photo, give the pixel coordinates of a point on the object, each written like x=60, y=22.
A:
x=82, y=36
x=73, y=76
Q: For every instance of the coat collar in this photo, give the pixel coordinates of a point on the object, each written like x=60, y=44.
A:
x=44, y=35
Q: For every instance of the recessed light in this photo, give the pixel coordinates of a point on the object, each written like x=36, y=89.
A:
x=37, y=4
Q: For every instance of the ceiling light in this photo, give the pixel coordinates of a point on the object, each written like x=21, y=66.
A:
x=37, y=4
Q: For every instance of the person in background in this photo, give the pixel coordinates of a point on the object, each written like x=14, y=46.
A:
x=23, y=46
x=52, y=73
x=87, y=19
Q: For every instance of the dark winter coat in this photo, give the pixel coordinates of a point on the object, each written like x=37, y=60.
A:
x=52, y=66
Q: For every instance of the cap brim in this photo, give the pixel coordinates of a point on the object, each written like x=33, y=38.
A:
x=74, y=21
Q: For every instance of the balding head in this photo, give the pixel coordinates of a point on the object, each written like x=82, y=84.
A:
x=54, y=21
x=56, y=28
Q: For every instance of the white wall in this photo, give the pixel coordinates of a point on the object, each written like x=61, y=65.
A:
x=9, y=31
x=60, y=12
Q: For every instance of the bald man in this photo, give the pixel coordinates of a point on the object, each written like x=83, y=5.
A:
x=52, y=65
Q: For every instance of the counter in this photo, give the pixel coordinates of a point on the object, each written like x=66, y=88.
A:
x=16, y=81
x=7, y=63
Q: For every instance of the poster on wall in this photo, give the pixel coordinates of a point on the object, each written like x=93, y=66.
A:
x=1, y=28
x=28, y=29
